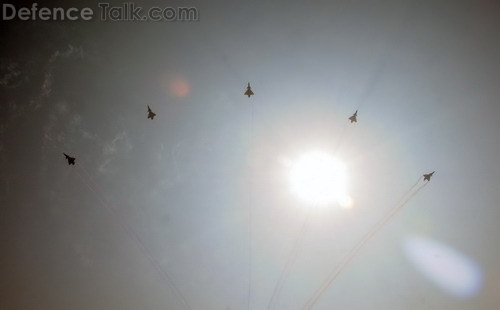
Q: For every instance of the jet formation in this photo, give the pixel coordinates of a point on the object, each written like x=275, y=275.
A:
x=151, y=114
x=354, y=118
x=427, y=176
x=249, y=91
x=71, y=160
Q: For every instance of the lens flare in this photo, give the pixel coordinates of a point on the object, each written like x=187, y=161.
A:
x=345, y=202
x=319, y=179
x=179, y=87
x=447, y=268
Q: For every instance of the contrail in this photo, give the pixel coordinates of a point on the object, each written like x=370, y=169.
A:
x=384, y=58
x=289, y=263
x=250, y=218
x=352, y=253
x=409, y=190
x=340, y=138
x=164, y=275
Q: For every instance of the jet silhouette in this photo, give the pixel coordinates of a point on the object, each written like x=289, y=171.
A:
x=427, y=176
x=151, y=114
x=71, y=160
x=249, y=91
x=353, y=118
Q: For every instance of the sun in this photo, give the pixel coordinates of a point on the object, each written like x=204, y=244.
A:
x=319, y=179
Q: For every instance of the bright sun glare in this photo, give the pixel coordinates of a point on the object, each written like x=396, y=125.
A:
x=319, y=179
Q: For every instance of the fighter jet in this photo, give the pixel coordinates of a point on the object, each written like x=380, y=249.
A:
x=353, y=118
x=71, y=160
x=427, y=176
x=249, y=91
x=151, y=114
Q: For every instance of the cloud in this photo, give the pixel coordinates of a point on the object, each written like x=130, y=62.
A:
x=58, y=111
x=121, y=143
x=11, y=76
x=62, y=121
x=70, y=52
x=29, y=68
x=112, y=146
x=84, y=253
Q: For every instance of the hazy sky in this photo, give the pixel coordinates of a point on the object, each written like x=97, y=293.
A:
x=158, y=211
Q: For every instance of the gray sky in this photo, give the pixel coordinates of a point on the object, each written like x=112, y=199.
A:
x=182, y=194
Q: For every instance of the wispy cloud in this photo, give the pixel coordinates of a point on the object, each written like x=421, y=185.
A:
x=14, y=72
x=121, y=140
x=11, y=74
x=121, y=143
x=48, y=80
x=60, y=109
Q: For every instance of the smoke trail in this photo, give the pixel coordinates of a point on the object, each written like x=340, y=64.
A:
x=384, y=57
x=340, y=139
x=352, y=253
x=409, y=190
x=164, y=275
x=289, y=263
x=250, y=218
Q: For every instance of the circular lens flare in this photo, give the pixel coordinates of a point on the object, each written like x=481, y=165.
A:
x=345, y=201
x=179, y=87
x=318, y=178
